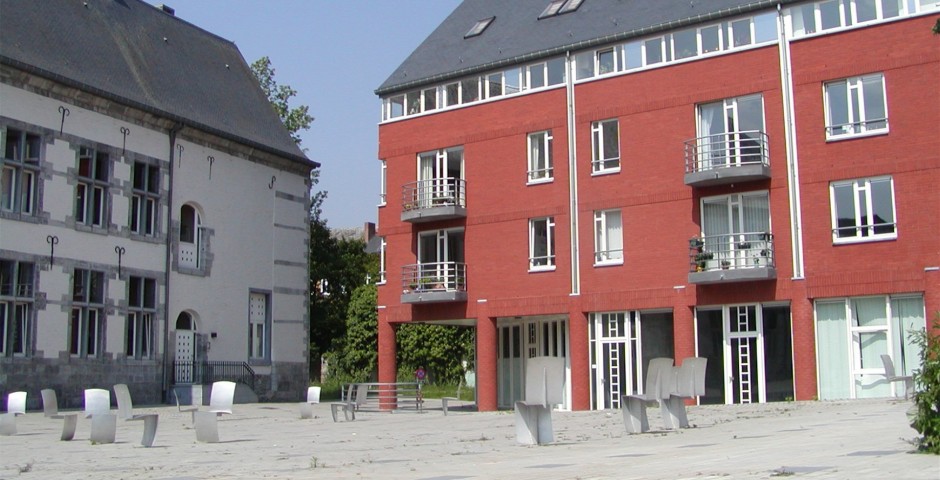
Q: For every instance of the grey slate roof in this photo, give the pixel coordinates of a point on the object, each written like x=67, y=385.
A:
x=517, y=35
x=138, y=55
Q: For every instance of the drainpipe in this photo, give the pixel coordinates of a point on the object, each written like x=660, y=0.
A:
x=168, y=265
x=572, y=178
x=789, y=127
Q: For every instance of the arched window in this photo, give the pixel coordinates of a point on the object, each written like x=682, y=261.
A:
x=191, y=249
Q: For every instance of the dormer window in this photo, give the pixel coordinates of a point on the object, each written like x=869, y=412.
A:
x=479, y=27
x=558, y=7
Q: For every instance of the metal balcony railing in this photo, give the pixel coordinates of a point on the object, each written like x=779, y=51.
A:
x=434, y=277
x=436, y=192
x=726, y=150
x=207, y=372
x=731, y=252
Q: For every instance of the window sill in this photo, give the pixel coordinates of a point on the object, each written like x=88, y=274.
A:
x=851, y=136
x=608, y=263
x=540, y=181
x=550, y=268
x=609, y=171
x=857, y=240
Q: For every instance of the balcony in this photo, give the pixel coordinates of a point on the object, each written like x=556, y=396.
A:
x=434, y=199
x=434, y=282
x=725, y=158
x=739, y=257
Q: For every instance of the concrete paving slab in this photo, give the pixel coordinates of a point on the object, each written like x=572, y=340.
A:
x=839, y=440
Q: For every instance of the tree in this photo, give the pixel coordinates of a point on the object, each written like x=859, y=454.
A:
x=926, y=410
x=440, y=349
x=357, y=358
x=294, y=119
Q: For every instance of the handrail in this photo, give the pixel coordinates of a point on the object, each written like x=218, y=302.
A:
x=725, y=150
x=206, y=372
x=434, y=277
x=435, y=192
x=731, y=251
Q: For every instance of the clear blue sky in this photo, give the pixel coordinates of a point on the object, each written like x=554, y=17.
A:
x=335, y=53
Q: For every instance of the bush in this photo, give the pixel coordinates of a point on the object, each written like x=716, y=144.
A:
x=926, y=418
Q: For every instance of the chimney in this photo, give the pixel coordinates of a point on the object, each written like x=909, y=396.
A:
x=368, y=231
x=167, y=9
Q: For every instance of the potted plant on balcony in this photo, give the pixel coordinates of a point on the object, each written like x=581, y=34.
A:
x=696, y=244
x=725, y=264
x=743, y=245
x=701, y=260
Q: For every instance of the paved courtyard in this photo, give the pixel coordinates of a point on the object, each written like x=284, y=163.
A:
x=841, y=440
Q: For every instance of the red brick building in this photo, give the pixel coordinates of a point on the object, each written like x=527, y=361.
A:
x=748, y=181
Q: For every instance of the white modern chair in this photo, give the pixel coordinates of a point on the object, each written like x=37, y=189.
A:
x=98, y=409
x=126, y=412
x=690, y=383
x=313, y=397
x=544, y=388
x=50, y=409
x=16, y=406
x=660, y=381
x=220, y=403
x=892, y=376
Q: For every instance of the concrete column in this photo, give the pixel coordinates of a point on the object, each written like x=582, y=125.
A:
x=487, y=345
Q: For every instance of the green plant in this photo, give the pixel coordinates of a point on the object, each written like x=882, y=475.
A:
x=926, y=417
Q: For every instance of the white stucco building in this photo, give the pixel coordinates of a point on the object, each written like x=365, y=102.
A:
x=153, y=217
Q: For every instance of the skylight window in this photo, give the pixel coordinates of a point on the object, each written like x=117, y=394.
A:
x=558, y=7
x=479, y=27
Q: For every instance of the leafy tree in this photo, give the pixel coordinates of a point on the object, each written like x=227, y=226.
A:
x=295, y=119
x=926, y=411
x=357, y=358
x=439, y=349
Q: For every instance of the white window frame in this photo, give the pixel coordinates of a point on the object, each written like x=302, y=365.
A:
x=383, y=183
x=541, y=166
x=19, y=176
x=86, y=322
x=862, y=195
x=383, y=245
x=547, y=261
x=144, y=201
x=606, y=250
x=599, y=163
x=91, y=192
x=859, y=124
x=141, y=311
x=259, y=326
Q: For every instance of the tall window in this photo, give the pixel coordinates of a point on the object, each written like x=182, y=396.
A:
x=145, y=198
x=440, y=179
x=542, y=243
x=605, y=137
x=863, y=210
x=540, y=156
x=258, y=326
x=85, y=325
x=91, y=193
x=18, y=179
x=735, y=229
x=383, y=183
x=141, y=309
x=382, y=246
x=731, y=133
x=856, y=106
x=608, y=237
x=853, y=333
x=191, y=252
x=16, y=307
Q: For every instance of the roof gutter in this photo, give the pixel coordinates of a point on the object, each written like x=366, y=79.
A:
x=571, y=47
x=300, y=159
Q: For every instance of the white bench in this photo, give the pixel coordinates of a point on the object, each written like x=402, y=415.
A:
x=126, y=411
x=50, y=409
x=16, y=406
x=689, y=383
x=544, y=388
x=634, y=406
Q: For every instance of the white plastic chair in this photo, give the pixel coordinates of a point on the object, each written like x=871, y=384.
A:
x=892, y=376
x=660, y=378
x=98, y=409
x=16, y=406
x=126, y=411
x=220, y=402
x=50, y=409
x=313, y=397
x=690, y=383
x=544, y=388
